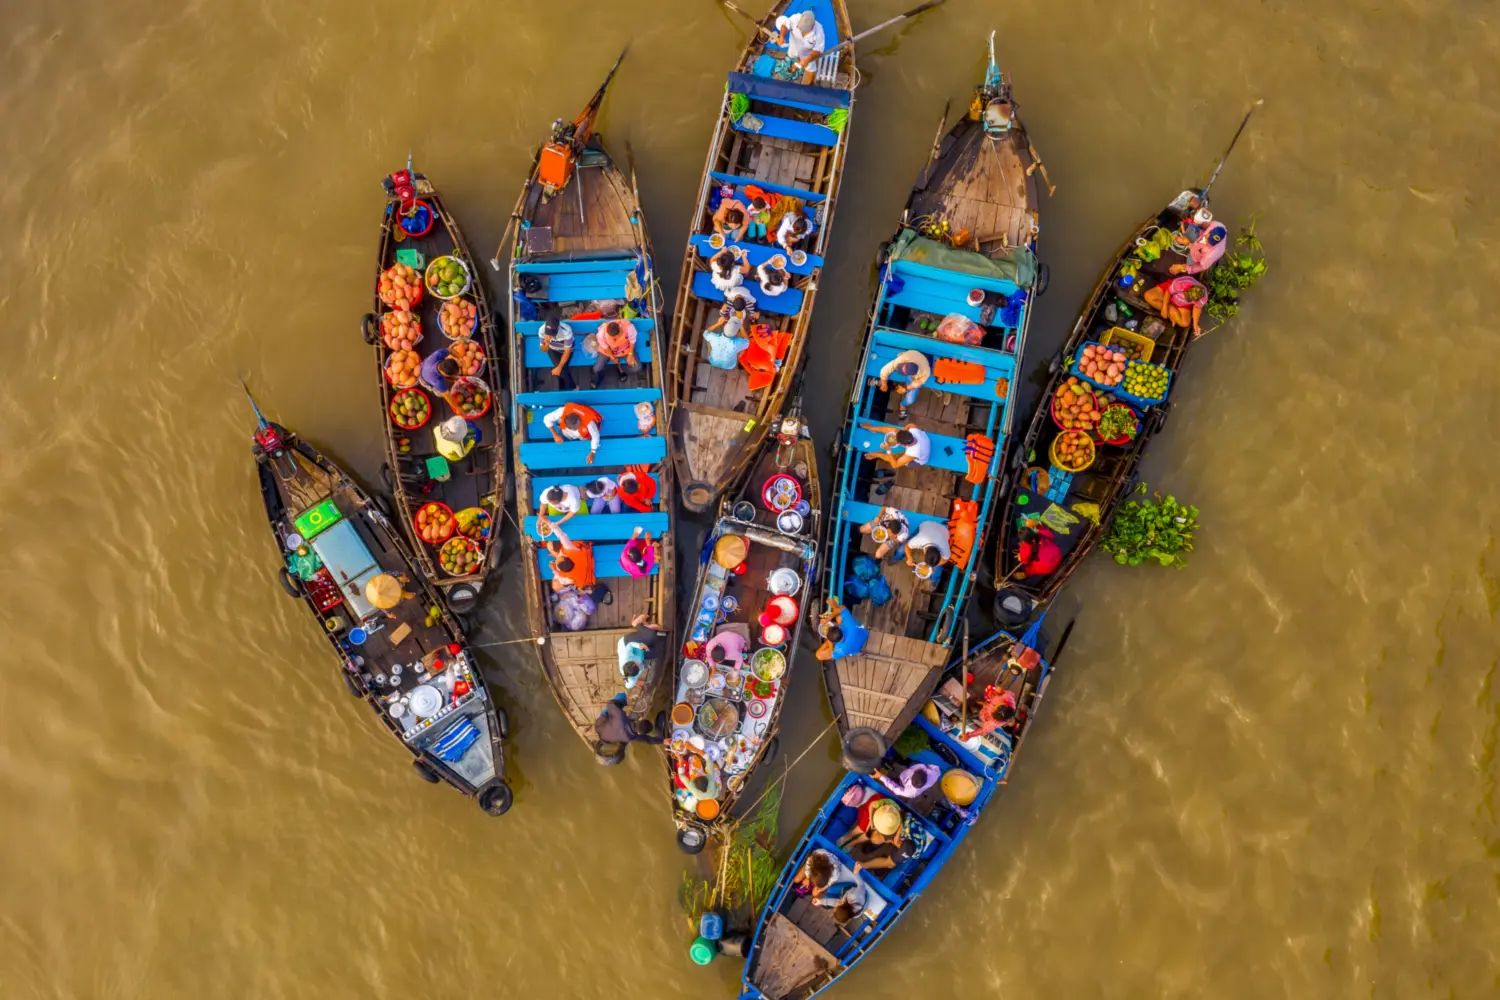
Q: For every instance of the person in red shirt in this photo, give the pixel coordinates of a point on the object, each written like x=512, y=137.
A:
x=1039, y=554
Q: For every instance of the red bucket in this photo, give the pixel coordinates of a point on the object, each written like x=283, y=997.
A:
x=1052, y=409
x=461, y=387
x=434, y=534
x=1118, y=442
x=406, y=395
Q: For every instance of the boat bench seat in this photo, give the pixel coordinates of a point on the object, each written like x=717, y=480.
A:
x=935, y=290
x=889, y=343
x=540, y=484
x=947, y=452
x=740, y=181
x=759, y=253
x=606, y=561
x=859, y=512
x=537, y=358
x=619, y=422
x=574, y=266
x=788, y=303
x=582, y=327
x=792, y=131
x=585, y=286
x=613, y=453
x=605, y=527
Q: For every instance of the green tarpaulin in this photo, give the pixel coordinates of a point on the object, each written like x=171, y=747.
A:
x=1018, y=265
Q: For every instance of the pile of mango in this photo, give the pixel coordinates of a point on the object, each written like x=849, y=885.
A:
x=447, y=277
x=1074, y=406
x=468, y=354
x=400, y=329
x=459, y=556
x=402, y=368
x=458, y=318
x=410, y=408
x=469, y=397
x=1073, y=451
x=434, y=523
x=400, y=287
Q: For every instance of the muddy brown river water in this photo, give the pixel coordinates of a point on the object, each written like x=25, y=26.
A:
x=1271, y=774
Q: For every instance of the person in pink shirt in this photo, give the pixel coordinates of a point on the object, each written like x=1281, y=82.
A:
x=639, y=557
x=1206, y=250
x=727, y=649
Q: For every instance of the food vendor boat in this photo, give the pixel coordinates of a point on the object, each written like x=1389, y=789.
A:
x=782, y=141
x=581, y=257
x=805, y=943
x=430, y=303
x=402, y=651
x=1074, y=468
x=757, y=567
x=954, y=299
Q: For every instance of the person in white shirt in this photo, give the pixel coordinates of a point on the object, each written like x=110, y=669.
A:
x=560, y=503
x=930, y=543
x=912, y=364
x=573, y=426
x=603, y=495
x=792, y=231
x=802, y=36
x=556, y=338
x=915, y=447
x=773, y=280
x=896, y=526
x=726, y=270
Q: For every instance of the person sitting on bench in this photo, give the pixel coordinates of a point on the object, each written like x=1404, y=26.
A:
x=572, y=562
x=574, y=422
x=560, y=503
x=603, y=495
x=896, y=526
x=793, y=230
x=1039, y=554
x=773, y=280
x=727, y=270
x=556, y=339
x=914, y=443
x=638, y=558
x=731, y=220
x=802, y=37
x=929, y=545
x=616, y=343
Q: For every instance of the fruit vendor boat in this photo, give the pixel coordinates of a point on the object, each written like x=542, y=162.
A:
x=757, y=567
x=1066, y=481
x=402, y=651
x=581, y=253
x=800, y=947
x=429, y=298
x=783, y=141
x=956, y=287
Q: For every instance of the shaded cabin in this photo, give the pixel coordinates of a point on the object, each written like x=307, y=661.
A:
x=782, y=141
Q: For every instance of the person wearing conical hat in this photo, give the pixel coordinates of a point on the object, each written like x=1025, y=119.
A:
x=454, y=438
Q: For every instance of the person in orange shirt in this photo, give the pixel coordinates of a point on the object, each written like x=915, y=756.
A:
x=572, y=562
x=575, y=422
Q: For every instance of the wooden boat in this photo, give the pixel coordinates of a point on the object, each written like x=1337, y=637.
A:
x=417, y=228
x=581, y=246
x=966, y=246
x=800, y=948
x=409, y=662
x=1075, y=508
x=785, y=141
x=776, y=527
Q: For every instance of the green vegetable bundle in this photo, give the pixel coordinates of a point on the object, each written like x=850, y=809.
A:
x=1159, y=529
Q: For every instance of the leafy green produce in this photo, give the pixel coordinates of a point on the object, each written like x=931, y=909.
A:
x=1236, y=271
x=1159, y=529
x=1118, y=422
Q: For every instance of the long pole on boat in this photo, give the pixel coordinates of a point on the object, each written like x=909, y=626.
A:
x=749, y=17
x=846, y=43
x=259, y=417
x=963, y=682
x=1223, y=159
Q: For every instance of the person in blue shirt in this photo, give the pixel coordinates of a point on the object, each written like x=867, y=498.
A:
x=439, y=370
x=843, y=635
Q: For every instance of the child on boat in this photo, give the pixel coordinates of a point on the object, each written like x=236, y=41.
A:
x=773, y=280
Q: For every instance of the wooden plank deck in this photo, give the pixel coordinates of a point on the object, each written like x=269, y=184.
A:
x=877, y=684
x=603, y=223
x=790, y=959
x=980, y=184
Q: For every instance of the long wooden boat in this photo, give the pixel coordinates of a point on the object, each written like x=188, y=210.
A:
x=784, y=141
x=581, y=249
x=966, y=246
x=417, y=229
x=800, y=947
x=1072, y=510
x=775, y=512
x=409, y=662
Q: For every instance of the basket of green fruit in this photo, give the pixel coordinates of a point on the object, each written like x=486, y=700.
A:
x=410, y=409
x=460, y=556
x=1144, y=384
x=1118, y=425
x=447, y=277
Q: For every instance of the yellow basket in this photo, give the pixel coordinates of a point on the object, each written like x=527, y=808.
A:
x=1137, y=347
x=1052, y=451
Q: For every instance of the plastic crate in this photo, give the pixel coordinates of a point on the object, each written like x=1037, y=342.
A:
x=1059, y=482
x=1136, y=346
x=1116, y=391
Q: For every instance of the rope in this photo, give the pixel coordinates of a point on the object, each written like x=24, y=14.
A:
x=539, y=641
x=785, y=771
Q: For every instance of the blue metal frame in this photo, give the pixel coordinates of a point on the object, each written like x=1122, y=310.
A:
x=868, y=934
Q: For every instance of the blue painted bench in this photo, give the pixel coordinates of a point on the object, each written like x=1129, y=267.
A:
x=932, y=289
x=537, y=358
x=605, y=527
x=759, y=253
x=889, y=343
x=606, y=562
x=540, y=484
x=613, y=453
x=788, y=303
x=790, y=93
x=552, y=400
x=792, y=131
x=582, y=327
x=740, y=181
x=585, y=286
x=947, y=452
x=619, y=422
x=577, y=266
x=859, y=512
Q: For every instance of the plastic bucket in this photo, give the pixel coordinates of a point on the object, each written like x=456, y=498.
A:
x=406, y=394
x=457, y=547
x=1118, y=442
x=442, y=262
x=1052, y=408
x=387, y=329
x=744, y=511
x=469, y=381
x=442, y=537
x=412, y=225
x=711, y=926
x=702, y=951
x=1052, y=452
x=400, y=383
x=455, y=334
x=476, y=354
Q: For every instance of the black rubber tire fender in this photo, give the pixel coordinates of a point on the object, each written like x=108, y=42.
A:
x=425, y=771
x=1043, y=279
x=857, y=749
x=1012, y=617
x=382, y=503
x=609, y=759
x=388, y=476
x=502, y=722
x=367, y=329
x=691, y=840
x=288, y=584
x=497, y=799
x=696, y=496
x=462, y=598
x=734, y=945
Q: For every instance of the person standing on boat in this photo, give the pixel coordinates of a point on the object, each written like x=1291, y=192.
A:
x=557, y=343
x=616, y=342
x=802, y=37
x=917, y=370
x=897, y=529
x=843, y=635
x=560, y=503
x=574, y=422
x=915, y=445
x=614, y=726
x=1039, y=554
x=603, y=495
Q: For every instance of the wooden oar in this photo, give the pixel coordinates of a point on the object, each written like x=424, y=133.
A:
x=937, y=142
x=963, y=683
x=1223, y=159
x=1037, y=164
x=750, y=17
x=884, y=24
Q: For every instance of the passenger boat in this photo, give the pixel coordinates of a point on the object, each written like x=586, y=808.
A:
x=783, y=141
x=1070, y=503
x=581, y=253
x=757, y=567
x=955, y=297
x=804, y=944
x=420, y=242
x=402, y=651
